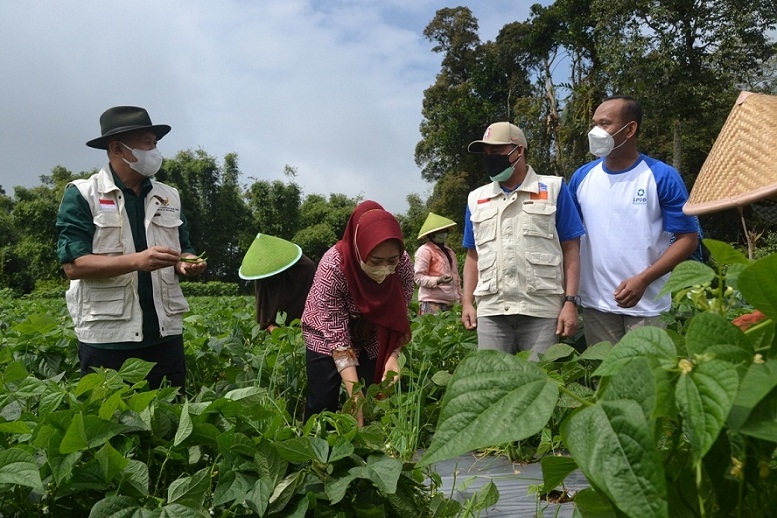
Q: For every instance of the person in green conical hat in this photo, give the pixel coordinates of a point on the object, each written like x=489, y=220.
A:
x=282, y=277
x=436, y=269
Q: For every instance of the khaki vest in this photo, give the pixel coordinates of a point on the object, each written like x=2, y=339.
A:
x=107, y=310
x=520, y=262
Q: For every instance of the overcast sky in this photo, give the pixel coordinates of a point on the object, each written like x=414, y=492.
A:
x=330, y=87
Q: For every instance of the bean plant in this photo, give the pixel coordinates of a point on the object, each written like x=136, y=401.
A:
x=672, y=422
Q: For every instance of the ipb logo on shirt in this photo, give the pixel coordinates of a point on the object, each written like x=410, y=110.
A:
x=640, y=198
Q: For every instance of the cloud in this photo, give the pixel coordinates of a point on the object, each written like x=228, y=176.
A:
x=333, y=88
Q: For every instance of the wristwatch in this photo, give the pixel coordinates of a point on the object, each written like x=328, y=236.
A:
x=574, y=299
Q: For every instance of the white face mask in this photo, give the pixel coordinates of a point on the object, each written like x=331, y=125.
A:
x=601, y=143
x=377, y=273
x=149, y=161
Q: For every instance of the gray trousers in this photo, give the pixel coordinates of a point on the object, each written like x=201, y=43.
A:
x=611, y=327
x=513, y=333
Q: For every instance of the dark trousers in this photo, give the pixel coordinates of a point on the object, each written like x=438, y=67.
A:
x=324, y=381
x=168, y=356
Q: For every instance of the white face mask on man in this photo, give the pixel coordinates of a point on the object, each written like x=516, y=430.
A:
x=149, y=161
x=601, y=143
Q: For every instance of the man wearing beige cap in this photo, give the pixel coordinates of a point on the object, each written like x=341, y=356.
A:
x=522, y=235
x=123, y=241
x=631, y=205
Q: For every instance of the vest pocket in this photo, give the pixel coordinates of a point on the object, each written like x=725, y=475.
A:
x=486, y=274
x=484, y=225
x=109, y=299
x=165, y=230
x=543, y=273
x=172, y=296
x=107, y=233
x=539, y=219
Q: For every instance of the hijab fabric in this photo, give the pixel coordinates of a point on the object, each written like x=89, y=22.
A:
x=382, y=304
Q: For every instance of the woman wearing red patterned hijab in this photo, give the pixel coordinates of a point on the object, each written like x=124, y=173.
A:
x=355, y=320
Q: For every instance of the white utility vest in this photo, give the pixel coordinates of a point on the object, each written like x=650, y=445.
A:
x=520, y=261
x=108, y=310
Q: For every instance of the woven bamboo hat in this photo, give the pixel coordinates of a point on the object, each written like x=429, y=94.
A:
x=434, y=223
x=742, y=165
x=267, y=256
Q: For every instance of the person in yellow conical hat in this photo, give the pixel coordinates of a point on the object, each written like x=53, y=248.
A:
x=436, y=270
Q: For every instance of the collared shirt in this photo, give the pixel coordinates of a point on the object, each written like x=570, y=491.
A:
x=76, y=225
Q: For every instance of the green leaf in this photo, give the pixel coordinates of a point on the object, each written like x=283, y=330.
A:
x=14, y=371
x=110, y=406
x=335, y=487
x=758, y=284
x=487, y=496
x=592, y=504
x=269, y=463
x=18, y=467
x=75, y=436
x=492, y=398
x=116, y=507
x=381, y=470
x=762, y=421
x=259, y=497
x=642, y=381
x=611, y=442
x=641, y=342
x=37, y=324
x=141, y=400
x=284, y=491
x=441, y=378
x=341, y=449
x=304, y=449
x=185, y=426
x=704, y=397
x=190, y=491
x=759, y=381
x=252, y=394
x=724, y=253
x=687, y=274
x=111, y=461
x=135, y=370
x=181, y=511
x=558, y=352
x=708, y=329
x=136, y=475
x=233, y=486
x=555, y=470
x=15, y=427
x=597, y=351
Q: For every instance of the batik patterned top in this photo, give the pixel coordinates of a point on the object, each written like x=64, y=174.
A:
x=331, y=319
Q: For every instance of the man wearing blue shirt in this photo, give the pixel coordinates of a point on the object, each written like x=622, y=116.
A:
x=522, y=235
x=631, y=206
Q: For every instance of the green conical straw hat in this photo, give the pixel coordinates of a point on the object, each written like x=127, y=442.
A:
x=434, y=223
x=267, y=256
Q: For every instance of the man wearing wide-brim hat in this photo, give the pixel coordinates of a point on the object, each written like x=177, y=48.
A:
x=436, y=268
x=123, y=241
x=282, y=277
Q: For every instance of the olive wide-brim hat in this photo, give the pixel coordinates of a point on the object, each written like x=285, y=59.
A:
x=121, y=119
x=434, y=223
x=268, y=256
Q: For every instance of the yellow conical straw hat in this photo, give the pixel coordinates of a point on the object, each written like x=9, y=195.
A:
x=742, y=165
x=434, y=223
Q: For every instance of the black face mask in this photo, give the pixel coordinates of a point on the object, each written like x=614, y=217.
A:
x=495, y=164
x=498, y=167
